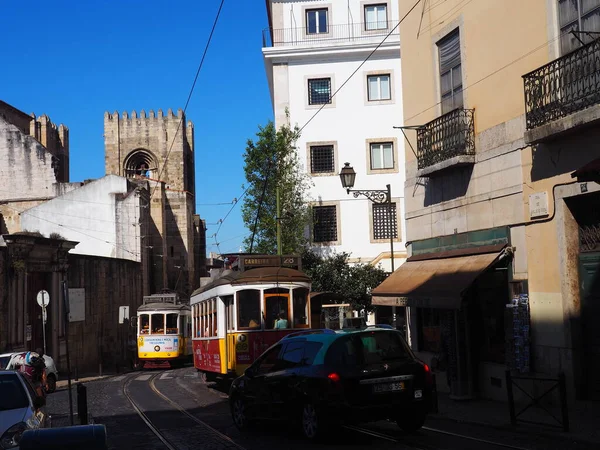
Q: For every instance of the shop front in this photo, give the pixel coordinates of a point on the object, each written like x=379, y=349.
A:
x=457, y=292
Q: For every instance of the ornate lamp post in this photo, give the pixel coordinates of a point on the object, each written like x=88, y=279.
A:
x=348, y=176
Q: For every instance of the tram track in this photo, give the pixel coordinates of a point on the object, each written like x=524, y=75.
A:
x=410, y=442
x=154, y=427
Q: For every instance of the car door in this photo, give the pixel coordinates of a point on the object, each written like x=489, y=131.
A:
x=283, y=382
x=256, y=392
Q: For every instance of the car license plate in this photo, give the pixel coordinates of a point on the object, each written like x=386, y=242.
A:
x=388, y=387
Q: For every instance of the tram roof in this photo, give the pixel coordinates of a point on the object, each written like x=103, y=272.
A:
x=164, y=307
x=257, y=276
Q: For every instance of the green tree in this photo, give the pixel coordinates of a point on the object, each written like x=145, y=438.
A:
x=333, y=274
x=271, y=162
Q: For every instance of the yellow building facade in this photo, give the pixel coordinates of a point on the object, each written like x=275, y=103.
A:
x=501, y=105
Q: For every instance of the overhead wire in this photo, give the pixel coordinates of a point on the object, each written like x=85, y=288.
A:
x=545, y=44
x=360, y=65
x=190, y=94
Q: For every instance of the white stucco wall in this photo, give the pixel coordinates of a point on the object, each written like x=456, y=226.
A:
x=349, y=122
x=93, y=215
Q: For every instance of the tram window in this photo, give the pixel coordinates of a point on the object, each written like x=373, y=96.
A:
x=172, y=324
x=248, y=309
x=276, y=311
x=157, y=323
x=300, y=308
x=144, y=324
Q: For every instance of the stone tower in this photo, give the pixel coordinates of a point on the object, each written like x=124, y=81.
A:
x=158, y=151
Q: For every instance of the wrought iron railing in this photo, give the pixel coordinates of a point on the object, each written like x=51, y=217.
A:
x=335, y=34
x=450, y=135
x=564, y=86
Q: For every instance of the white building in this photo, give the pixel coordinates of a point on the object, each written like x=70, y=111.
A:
x=103, y=216
x=311, y=50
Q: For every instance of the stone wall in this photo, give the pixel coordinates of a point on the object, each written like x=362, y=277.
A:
x=99, y=343
x=25, y=159
x=4, y=324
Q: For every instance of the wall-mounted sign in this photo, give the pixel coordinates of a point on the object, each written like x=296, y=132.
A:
x=123, y=313
x=538, y=205
x=76, y=305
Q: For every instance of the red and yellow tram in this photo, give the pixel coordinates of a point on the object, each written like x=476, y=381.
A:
x=237, y=315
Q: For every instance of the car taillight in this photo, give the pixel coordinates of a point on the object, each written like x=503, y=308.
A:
x=334, y=377
x=428, y=377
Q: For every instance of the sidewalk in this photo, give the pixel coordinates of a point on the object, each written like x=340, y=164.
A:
x=64, y=383
x=584, y=418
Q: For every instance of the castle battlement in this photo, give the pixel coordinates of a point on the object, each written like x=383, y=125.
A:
x=142, y=115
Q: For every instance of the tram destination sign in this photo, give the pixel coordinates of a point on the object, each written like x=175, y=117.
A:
x=256, y=261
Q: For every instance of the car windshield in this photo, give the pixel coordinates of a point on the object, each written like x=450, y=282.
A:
x=379, y=346
x=4, y=361
x=12, y=393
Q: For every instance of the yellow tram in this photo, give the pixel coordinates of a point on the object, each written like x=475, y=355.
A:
x=245, y=309
x=164, y=327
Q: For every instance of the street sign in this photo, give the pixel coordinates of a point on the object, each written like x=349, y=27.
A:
x=123, y=313
x=43, y=298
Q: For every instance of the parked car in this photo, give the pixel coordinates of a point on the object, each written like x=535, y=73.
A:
x=7, y=361
x=20, y=408
x=323, y=379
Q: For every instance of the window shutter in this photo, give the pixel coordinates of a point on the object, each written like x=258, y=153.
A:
x=449, y=49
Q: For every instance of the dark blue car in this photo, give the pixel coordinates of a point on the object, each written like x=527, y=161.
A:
x=323, y=379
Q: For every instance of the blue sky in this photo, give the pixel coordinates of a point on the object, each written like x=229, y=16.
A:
x=73, y=60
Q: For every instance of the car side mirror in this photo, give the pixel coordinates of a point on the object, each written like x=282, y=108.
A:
x=249, y=372
x=39, y=402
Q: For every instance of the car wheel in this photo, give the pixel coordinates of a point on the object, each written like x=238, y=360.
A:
x=311, y=421
x=51, y=380
x=411, y=424
x=239, y=413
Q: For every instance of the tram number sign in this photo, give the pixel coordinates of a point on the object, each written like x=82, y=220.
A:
x=269, y=261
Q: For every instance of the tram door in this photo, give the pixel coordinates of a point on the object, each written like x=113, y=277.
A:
x=229, y=332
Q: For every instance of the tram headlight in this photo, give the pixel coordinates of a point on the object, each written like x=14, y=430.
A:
x=242, y=338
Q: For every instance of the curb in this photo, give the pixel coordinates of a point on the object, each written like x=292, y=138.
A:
x=88, y=380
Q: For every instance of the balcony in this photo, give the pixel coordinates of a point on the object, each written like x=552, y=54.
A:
x=446, y=142
x=335, y=35
x=563, y=95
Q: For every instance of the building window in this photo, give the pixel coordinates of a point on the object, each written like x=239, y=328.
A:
x=322, y=159
x=381, y=221
x=316, y=21
x=382, y=155
x=319, y=91
x=324, y=224
x=578, y=16
x=379, y=87
x=450, y=72
x=375, y=17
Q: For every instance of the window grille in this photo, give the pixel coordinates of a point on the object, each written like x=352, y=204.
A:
x=381, y=221
x=322, y=159
x=324, y=224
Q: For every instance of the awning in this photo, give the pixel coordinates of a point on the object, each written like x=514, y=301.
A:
x=432, y=283
x=589, y=172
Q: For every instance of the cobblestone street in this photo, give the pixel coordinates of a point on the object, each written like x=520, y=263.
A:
x=208, y=424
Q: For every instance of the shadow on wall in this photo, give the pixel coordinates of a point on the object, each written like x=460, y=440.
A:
x=447, y=186
x=564, y=155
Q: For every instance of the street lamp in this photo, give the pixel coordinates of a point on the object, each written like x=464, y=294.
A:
x=348, y=176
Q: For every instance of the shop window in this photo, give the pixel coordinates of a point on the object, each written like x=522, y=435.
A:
x=277, y=309
x=300, y=303
x=248, y=309
x=144, y=324
x=157, y=323
x=487, y=311
x=429, y=330
x=172, y=324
